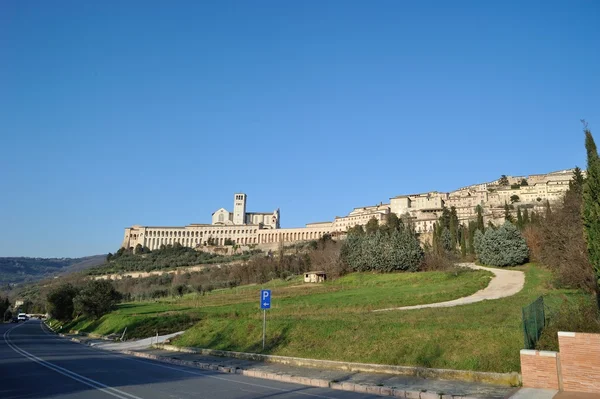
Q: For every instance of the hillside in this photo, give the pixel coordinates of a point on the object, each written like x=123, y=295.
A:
x=167, y=258
x=22, y=269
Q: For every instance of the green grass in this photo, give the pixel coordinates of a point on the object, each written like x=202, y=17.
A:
x=334, y=320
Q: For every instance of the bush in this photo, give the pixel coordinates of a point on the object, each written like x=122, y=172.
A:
x=381, y=252
x=579, y=316
x=504, y=246
x=436, y=261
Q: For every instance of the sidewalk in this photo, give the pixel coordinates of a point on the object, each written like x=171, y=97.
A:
x=378, y=384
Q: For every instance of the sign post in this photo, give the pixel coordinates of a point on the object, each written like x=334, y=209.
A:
x=265, y=303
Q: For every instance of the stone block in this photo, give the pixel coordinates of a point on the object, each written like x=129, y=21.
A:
x=412, y=394
x=430, y=395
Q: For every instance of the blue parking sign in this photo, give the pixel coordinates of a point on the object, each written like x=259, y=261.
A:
x=265, y=299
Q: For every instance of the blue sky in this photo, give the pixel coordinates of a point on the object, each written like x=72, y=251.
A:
x=151, y=112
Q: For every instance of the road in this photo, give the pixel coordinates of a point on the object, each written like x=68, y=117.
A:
x=35, y=363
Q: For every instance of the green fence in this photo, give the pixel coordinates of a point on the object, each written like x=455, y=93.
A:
x=534, y=321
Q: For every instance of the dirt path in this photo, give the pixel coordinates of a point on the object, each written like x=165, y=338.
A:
x=504, y=283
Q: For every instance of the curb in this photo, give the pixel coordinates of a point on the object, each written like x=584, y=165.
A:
x=315, y=382
x=506, y=379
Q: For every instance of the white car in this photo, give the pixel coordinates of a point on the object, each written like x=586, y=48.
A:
x=22, y=317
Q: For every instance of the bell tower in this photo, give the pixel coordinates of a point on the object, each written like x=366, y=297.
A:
x=239, y=208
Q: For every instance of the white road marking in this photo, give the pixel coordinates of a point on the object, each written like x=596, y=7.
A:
x=156, y=363
x=84, y=380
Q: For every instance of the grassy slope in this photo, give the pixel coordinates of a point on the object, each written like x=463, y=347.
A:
x=332, y=321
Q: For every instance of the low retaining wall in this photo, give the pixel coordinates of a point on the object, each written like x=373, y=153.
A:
x=580, y=361
x=539, y=369
x=575, y=368
x=508, y=379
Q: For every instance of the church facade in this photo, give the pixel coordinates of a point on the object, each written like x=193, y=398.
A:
x=239, y=227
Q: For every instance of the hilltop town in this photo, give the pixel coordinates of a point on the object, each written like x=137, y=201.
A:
x=262, y=229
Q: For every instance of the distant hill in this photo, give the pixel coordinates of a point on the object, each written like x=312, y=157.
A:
x=20, y=270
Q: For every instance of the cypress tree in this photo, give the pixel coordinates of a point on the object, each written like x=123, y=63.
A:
x=453, y=226
x=548, y=210
x=525, y=217
x=591, y=207
x=472, y=230
x=480, y=225
x=463, y=243
x=519, y=219
x=507, y=216
x=534, y=217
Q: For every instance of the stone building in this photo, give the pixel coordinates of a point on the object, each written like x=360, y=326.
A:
x=240, y=227
x=421, y=210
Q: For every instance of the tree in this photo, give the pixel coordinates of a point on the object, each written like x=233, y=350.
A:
x=446, y=240
x=4, y=305
x=60, y=302
x=534, y=218
x=472, y=229
x=514, y=198
x=8, y=315
x=503, y=180
x=576, y=187
x=519, y=219
x=463, y=243
x=525, y=217
x=109, y=257
x=548, y=210
x=453, y=227
x=97, y=298
x=372, y=226
x=561, y=244
x=445, y=219
x=507, y=215
x=504, y=246
x=393, y=222
x=591, y=207
x=397, y=251
x=356, y=230
x=138, y=249
x=524, y=182
x=480, y=225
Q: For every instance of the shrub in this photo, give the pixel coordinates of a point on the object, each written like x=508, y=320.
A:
x=580, y=316
x=399, y=250
x=504, y=246
x=436, y=261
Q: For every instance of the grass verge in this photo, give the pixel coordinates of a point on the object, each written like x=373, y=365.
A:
x=333, y=320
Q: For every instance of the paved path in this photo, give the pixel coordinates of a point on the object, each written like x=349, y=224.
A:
x=504, y=283
x=133, y=345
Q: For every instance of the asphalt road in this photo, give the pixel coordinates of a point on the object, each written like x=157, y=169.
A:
x=37, y=364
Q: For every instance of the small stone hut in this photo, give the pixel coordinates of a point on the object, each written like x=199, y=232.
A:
x=315, y=277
